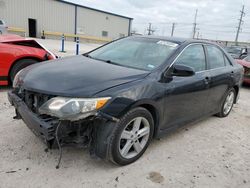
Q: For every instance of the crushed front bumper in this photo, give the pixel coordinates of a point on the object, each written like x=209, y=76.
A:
x=41, y=126
x=83, y=133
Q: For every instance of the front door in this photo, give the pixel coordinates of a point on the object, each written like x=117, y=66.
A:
x=186, y=97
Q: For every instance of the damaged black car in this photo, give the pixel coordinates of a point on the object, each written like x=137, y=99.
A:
x=118, y=97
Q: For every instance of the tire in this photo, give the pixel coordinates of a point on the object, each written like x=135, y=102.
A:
x=138, y=144
x=19, y=65
x=227, y=104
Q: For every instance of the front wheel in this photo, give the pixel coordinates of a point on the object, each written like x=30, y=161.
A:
x=131, y=136
x=228, y=103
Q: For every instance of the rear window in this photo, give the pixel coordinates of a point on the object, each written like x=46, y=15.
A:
x=1, y=22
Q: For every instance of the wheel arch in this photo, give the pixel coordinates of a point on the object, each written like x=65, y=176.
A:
x=18, y=59
x=151, y=107
x=236, y=88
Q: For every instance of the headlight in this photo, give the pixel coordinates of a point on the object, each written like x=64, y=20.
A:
x=72, y=108
x=17, y=81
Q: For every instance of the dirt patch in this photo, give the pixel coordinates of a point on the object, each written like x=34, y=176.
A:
x=156, y=177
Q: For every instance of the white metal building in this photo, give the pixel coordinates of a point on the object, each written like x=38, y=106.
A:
x=60, y=16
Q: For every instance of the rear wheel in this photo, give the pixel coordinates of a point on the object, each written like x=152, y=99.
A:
x=228, y=103
x=131, y=136
x=19, y=65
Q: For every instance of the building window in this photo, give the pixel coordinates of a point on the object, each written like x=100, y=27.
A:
x=104, y=33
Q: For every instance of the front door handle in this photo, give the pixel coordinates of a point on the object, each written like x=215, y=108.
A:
x=232, y=74
x=207, y=80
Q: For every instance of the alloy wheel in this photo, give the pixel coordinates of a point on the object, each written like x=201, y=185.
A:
x=229, y=102
x=134, y=137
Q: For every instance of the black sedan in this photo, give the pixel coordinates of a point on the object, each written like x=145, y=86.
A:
x=118, y=97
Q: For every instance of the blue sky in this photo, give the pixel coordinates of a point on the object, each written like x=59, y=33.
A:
x=217, y=19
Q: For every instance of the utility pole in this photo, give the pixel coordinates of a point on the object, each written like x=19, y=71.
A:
x=195, y=23
x=242, y=14
x=150, y=30
x=173, y=27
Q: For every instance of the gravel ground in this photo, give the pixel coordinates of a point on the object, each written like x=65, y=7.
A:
x=212, y=153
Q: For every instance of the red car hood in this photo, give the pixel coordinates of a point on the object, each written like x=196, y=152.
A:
x=10, y=38
x=244, y=63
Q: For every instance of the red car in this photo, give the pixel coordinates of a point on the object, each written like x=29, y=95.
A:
x=17, y=53
x=246, y=64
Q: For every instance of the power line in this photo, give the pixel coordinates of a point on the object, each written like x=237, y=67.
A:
x=242, y=14
x=150, y=30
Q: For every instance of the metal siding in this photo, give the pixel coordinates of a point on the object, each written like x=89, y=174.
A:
x=93, y=23
x=52, y=15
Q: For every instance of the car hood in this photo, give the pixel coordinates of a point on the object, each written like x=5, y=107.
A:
x=77, y=76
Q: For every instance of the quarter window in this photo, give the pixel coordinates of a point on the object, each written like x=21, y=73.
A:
x=215, y=57
x=247, y=58
x=193, y=57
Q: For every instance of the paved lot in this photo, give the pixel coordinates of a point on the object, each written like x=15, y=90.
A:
x=212, y=153
x=69, y=47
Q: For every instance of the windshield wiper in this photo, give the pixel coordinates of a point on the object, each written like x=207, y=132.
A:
x=87, y=55
x=111, y=62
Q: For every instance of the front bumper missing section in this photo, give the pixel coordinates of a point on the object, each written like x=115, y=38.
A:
x=44, y=126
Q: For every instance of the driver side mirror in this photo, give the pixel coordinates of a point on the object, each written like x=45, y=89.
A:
x=180, y=70
x=244, y=52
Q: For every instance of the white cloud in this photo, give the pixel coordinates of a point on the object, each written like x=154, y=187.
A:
x=217, y=19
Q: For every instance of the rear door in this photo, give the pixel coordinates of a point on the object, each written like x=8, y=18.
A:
x=221, y=72
x=186, y=97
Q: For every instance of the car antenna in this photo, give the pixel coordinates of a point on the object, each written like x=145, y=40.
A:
x=59, y=146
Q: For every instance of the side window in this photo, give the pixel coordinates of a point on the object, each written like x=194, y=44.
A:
x=228, y=63
x=194, y=57
x=215, y=57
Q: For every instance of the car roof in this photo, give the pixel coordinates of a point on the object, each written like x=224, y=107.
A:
x=177, y=40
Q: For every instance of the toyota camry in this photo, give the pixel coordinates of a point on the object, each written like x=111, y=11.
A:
x=117, y=98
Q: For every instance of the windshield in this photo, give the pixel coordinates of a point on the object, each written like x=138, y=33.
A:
x=139, y=53
x=233, y=50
